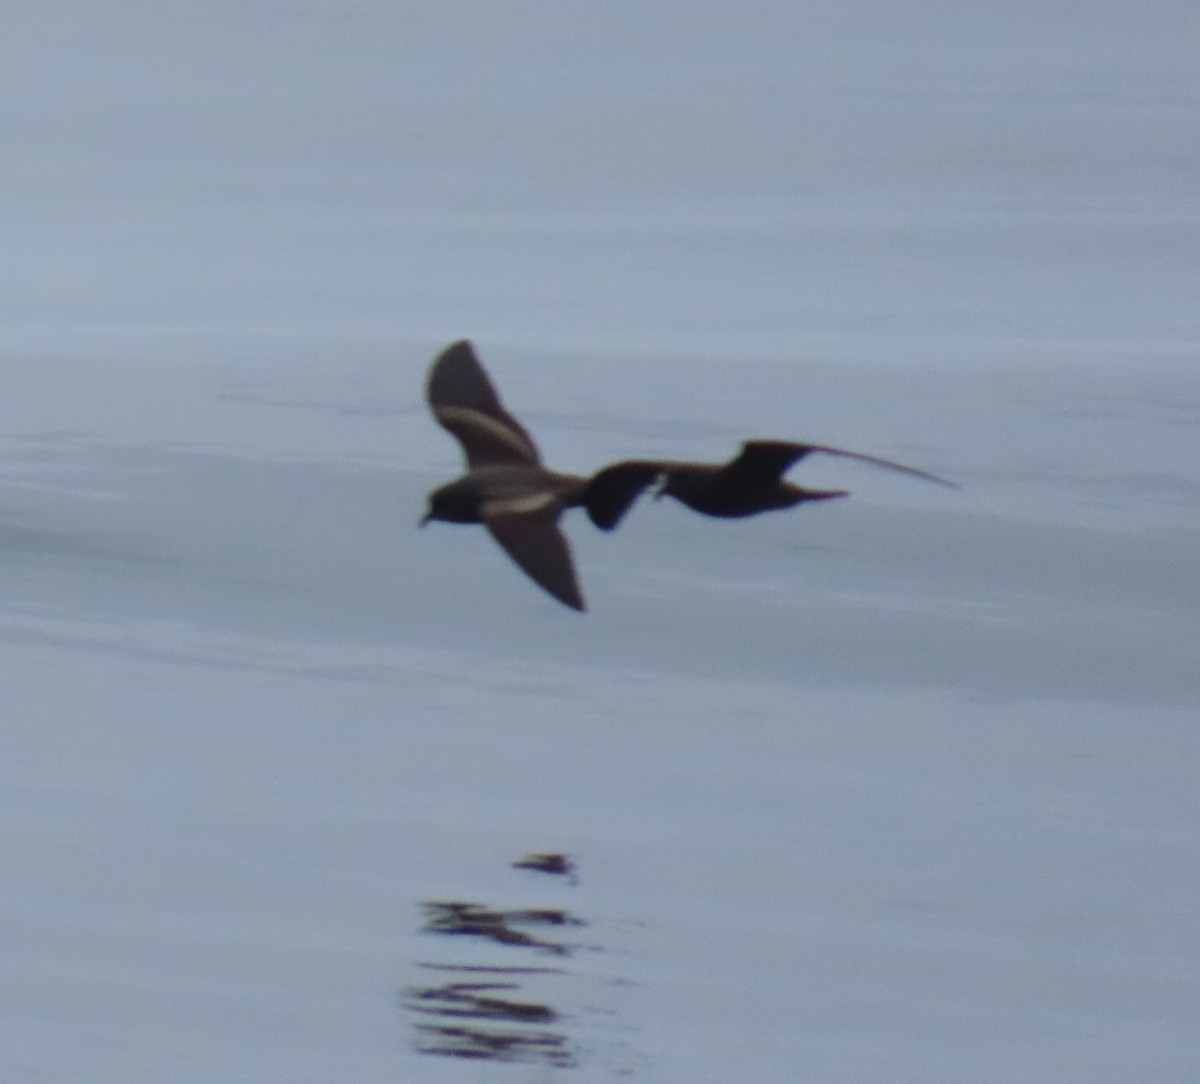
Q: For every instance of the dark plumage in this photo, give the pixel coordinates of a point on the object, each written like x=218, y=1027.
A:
x=750, y=483
x=506, y=488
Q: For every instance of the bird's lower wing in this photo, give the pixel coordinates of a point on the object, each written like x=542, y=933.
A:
x=534, y=542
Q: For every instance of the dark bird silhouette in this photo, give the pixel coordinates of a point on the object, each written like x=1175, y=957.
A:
x=509, y=491
x=505, y=488
x=750, y=483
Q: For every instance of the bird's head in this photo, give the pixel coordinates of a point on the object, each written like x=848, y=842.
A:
x=455, y=502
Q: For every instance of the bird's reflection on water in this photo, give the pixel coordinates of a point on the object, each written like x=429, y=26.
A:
x=486, y=1020
x=503, y=927
x=487, y=1011
x=558, y=864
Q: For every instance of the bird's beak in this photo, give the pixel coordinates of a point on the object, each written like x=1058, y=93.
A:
x=424, y=519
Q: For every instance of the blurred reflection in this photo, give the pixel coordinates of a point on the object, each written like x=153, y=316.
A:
x=503, y=927
x=486, y=1011
x=474, y=1019
x=556, y=864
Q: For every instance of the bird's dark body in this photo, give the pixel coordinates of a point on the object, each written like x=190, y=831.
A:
x=711, y=492
x=468, y=499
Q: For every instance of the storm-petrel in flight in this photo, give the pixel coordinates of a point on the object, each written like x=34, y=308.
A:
x=505, y=488
x=750, y=483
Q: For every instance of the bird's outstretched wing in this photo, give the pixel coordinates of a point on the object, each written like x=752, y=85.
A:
x=464, y=402
x=610, y=492
x=534, y=542
x=767, y=460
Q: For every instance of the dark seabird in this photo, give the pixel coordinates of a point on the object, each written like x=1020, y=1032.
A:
x=506, y=488
x=750, y=483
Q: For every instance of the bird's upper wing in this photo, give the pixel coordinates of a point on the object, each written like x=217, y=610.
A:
x=532, y=539
x=463, y=401
x=611, y=491
x=763, y=460
x=766, y=460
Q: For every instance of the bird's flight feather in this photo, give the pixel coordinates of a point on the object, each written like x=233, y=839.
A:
x=534, y=542
x=465, y=403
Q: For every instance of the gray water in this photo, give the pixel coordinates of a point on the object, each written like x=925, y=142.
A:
x=900, y=788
